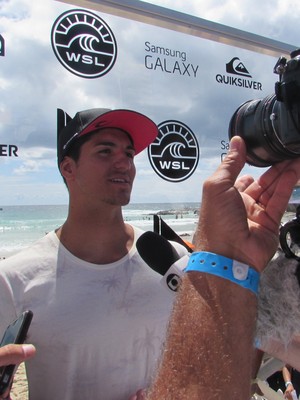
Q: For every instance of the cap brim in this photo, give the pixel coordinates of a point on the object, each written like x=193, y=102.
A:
x=140, y=128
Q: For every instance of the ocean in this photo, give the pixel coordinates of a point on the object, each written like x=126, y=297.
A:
x=20, y=226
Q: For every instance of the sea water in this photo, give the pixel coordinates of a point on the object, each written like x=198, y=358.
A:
x=20, y=226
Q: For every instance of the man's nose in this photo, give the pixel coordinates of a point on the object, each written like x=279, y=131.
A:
x=122, y=161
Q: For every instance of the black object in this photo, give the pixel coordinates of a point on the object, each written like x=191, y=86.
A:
x=270, y=126
x=289, y=237
x=163, y=229
x=156, y=251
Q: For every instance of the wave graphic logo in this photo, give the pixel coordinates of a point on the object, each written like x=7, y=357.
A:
x=83, y=43
x=174, y=154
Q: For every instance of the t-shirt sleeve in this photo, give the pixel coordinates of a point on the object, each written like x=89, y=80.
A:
x=7, y=308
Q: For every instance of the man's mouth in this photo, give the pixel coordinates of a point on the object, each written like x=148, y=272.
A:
x=120, y=180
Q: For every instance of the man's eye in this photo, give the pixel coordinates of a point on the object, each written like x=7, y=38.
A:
x=130, y=154
x=105, y=151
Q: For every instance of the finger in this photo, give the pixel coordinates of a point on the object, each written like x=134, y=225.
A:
x=15, y=354
x=140, y=395
x=243, y=182
x=281, y=195
x=268, y=181
x=226, y=174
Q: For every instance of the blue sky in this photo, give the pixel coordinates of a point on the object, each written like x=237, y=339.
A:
x=33, y=84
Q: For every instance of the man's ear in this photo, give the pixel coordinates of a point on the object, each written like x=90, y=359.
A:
x=67, y=167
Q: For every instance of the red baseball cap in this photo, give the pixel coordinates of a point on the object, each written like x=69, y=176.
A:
x=140, y=128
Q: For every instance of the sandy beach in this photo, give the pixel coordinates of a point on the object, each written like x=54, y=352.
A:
x=19, y=390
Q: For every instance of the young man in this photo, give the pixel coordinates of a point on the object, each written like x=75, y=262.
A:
x=100, y=312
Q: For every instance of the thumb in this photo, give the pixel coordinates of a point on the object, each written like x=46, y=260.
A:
x=237, y=151
x=234, y=161
x=227, y=172
x=15, y=353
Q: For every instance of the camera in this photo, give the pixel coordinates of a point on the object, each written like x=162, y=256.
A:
x=271, y=126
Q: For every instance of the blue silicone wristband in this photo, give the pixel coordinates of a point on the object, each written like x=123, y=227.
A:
x=224, y=267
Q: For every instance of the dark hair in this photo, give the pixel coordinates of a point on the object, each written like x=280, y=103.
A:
x=74, y=150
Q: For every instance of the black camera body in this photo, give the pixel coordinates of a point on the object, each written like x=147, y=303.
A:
x=271, y=126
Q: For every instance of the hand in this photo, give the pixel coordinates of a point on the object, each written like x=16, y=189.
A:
x=288, y=392
x=244, y=221
x=15, y=353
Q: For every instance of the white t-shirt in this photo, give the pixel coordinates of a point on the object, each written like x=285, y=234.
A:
x=98, y=329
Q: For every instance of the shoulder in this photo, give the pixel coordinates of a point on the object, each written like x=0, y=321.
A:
x=137, y=232
x=42, y=249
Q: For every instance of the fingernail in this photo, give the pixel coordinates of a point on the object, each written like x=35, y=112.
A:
x=234, y=144
x=28, y=349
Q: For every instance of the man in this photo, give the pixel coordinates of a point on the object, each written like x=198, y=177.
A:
x=209, y=350
x=99, y=311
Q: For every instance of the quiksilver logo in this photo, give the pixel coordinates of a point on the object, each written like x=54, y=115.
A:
x=83, y=43
x=174, y=154
x=235, y=66
x=238, y=75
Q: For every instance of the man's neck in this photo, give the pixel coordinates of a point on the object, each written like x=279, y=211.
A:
x=100, y=239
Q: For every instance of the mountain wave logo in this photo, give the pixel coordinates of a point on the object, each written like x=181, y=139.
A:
x=236, y=67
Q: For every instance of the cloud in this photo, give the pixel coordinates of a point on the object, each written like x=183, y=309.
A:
x=33, y=84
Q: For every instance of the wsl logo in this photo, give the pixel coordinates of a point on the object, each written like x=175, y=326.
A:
x=241, y=76
x=174, y=154
x=83, y=43
x=2, y=46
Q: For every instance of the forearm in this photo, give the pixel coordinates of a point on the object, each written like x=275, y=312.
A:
x=209, y=343
x=286, y=375
x=209, y=348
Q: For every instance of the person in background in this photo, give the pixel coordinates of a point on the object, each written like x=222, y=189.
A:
x=276, y=381
x=291, y=378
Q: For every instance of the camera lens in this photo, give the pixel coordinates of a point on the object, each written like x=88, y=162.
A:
x=258, y=123
x=289, y=238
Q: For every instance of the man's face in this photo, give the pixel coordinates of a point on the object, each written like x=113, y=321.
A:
x=105, y=169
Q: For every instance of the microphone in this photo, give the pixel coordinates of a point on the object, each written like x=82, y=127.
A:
x=163, y=258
